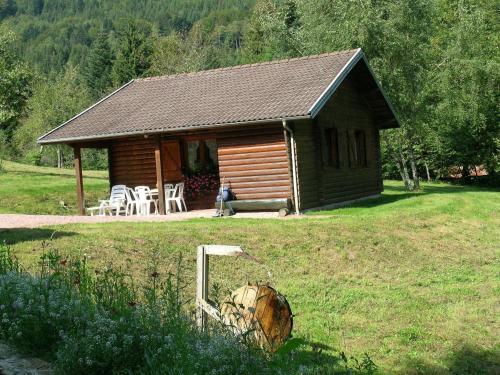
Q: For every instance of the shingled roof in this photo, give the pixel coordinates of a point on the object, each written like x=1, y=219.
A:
x=293, y=88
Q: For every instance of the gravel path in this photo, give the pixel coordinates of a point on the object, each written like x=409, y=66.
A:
x=12, y=363
x=9, y=221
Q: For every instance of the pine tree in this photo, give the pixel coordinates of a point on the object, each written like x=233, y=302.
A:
x=133, y=57
x=97, y=70
x=7, y=8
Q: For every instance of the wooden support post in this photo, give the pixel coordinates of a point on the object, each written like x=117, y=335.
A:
x=159, y=176
x=201, y=286
x=204, y=307
x=79, y=180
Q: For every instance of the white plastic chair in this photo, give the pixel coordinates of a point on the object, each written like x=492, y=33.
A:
x=131, y=202
x=116, y=201
x=144, y=200
x=177, y=197
x=169, y=192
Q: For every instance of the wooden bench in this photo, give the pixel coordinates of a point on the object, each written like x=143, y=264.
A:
x=282, y=205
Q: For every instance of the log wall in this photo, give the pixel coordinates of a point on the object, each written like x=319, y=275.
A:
x=308, y=163
x=255, y=162
x=321, y=184
x=132, y=162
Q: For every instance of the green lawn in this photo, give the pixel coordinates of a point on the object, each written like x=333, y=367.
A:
x=413, y=279
x=27, y=189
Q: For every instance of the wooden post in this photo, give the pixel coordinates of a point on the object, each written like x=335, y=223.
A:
x=159, y=176
x=110, y=167
x=201, y=286
x=79, y=180
x=204, y=308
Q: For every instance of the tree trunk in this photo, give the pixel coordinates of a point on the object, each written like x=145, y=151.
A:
x=60, y=158
x=401, y=165
x=414, y=171
x=427, y=172
x=407, y=187
x=403, y=171
x=465, y=171
x=408, y=182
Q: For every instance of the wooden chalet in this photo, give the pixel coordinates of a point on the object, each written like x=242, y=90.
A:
x=298, y=133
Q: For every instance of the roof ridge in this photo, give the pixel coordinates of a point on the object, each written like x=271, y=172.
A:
x=244, y=66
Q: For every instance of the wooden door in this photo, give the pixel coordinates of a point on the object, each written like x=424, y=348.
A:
x=172, y=165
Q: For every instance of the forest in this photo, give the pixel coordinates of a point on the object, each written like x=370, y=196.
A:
x=437, y=60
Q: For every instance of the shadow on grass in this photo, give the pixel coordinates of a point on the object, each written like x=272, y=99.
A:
x=397, y=193
x=440, y=188
x=403, y=194
x=384, y=199
x=297, y=353
x=17, y=235
x=467, y=360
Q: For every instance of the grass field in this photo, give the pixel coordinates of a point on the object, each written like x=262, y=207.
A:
x=411, y=278
x=26, y=189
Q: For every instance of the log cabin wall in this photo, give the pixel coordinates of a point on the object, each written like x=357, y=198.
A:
x=132, y=162
x=255, y=162
x=308, y=166
x=322, y=184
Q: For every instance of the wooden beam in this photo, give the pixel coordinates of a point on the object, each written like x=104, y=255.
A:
x=257, y=204
x=110, y=168
x=91, y=144
x=203, y=305
x=226, y=250
x=79, y=180
x=159, y=176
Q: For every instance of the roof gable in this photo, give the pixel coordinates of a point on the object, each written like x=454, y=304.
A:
x=293, y=88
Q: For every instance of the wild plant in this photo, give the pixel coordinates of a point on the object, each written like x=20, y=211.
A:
x=8, y=262
x=101, y=322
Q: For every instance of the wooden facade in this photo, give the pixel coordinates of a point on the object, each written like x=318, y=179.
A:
x=132, y=161
x=297, y=133
x=255, y=163
x=255, y=160
x=321, y=183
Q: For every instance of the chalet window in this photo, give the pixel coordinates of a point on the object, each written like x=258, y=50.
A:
x=360, y=137
x=193, y=156
x=356, y=143
x=212, y=156
x=332, y=147
x=202, y=155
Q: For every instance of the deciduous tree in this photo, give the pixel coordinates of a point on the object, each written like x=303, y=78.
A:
x=53, y=103
x=15, y=86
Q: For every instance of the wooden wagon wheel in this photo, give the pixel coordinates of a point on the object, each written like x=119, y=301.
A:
x=260, y=313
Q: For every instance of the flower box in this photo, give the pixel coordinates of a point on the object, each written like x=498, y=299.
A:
x=201, y=190
x=202, y=201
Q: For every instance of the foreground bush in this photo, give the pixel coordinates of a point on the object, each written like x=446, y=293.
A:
x=103, y=324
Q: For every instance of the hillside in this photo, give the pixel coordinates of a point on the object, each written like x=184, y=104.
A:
x=53, y=33
x=435, y=60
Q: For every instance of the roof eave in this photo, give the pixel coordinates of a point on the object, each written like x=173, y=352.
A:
x=339, y=78
x=40, y=139
x=389, y=104
x=333, y=86
x=173, y=130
